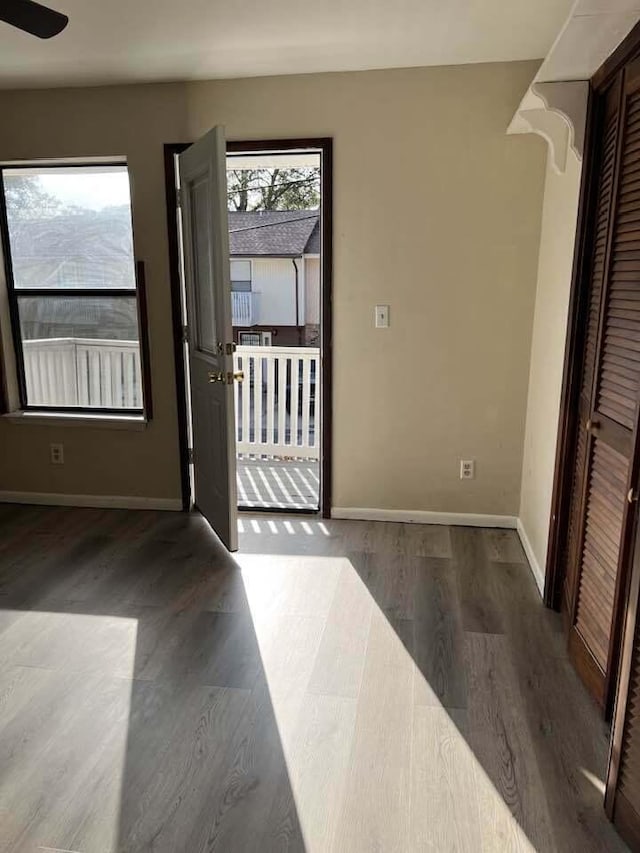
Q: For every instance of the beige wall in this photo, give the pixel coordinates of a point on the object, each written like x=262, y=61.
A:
x=134, y=121
x=547, y=352
x=436, y=211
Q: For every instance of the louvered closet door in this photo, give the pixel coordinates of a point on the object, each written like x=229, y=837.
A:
x=623, y=780
x=609, y=404
x=601, y=227
x=622, y=799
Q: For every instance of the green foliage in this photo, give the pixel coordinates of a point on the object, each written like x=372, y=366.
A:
x=274, y=189
x=27, y=199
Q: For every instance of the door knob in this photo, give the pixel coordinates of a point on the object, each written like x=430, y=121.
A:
x=226, y=378
x=592, y=425
x=632, y=496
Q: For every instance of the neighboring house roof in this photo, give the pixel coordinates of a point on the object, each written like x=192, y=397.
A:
x=274, y=233
x=94, y=249
x=86, y=249
x=313, y=245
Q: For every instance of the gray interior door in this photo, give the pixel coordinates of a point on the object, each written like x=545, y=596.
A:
x=205, y=237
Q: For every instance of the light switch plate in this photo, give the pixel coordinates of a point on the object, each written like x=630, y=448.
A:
x=382, y=316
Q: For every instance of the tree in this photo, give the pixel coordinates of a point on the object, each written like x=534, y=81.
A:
x=27, y=199
x=274, y=189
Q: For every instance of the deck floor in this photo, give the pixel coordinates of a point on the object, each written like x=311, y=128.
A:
x=278, y=484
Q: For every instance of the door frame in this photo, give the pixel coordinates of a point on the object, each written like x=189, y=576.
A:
x=574, y=341
x=325, y=146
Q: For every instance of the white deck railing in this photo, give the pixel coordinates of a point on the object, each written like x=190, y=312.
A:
x=83, y=372
x=244, y=310
x=277, y=407
x=278, y=403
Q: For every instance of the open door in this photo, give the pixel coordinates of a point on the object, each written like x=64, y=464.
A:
x=205, y=240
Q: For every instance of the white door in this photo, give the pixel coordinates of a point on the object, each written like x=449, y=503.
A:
x=205, y=238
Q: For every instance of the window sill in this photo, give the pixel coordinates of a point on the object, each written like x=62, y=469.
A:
x=66, y=419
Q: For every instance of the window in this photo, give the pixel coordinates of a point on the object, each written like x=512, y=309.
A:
x=255, y=339
x=241, y=276
x=71, y=281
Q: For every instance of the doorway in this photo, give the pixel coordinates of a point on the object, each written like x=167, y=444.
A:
x=275, y=247
x=279, y=211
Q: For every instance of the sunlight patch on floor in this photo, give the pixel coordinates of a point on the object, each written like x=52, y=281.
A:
x=82, y=739
x=372, y=755
x=597, y=783
x=279, y=527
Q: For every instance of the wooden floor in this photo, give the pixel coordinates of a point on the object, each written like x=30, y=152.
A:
x=335, y=686
x=282, y=484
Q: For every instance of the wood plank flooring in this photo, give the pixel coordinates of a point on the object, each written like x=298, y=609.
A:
x=335, y=686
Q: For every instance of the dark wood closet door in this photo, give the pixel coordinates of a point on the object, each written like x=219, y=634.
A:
x=609, y=400
x=602, y=217
x=623, y=783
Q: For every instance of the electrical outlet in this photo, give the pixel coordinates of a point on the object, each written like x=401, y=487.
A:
x=467, y=469
x=56, y=452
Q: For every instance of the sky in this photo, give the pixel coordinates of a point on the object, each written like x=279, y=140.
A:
x=88, y=188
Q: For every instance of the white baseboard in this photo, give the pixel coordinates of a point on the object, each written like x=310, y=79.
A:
x=99, y=501
x=534, y=565
x=464, y=519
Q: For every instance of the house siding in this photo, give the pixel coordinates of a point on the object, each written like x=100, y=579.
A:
x=273, y=279
x=312, y=291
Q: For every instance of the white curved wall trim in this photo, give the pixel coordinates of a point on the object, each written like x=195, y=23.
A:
x=569, y=101
x=558, y=113
x=555, y=104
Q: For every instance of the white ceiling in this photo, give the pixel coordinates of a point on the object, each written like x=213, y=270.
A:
x=110, y=41
x=591, y=32
x=555, y=104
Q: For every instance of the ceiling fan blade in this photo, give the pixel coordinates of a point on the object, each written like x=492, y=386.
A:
x=33, y=18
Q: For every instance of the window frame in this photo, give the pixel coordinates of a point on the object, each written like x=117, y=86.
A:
x=266, y=338
x=138, y=293
x=236, y=259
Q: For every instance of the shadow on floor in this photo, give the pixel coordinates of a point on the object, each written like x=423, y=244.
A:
x=342, y=686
